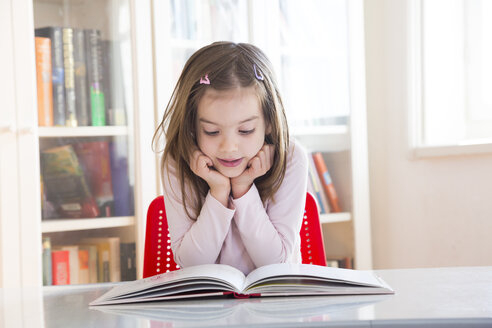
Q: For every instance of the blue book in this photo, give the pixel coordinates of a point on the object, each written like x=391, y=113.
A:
x=122, y=191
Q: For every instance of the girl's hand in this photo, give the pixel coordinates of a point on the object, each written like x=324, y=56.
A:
x=257, y=166
x=220, y=185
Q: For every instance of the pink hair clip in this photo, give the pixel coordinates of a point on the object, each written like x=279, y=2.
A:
x=258, y=76
x=204, y=80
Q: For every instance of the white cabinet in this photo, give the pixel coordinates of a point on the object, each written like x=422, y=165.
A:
x=125, y=30
x=317, y=49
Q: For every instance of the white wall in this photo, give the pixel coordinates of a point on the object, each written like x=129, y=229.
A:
x=426, y=212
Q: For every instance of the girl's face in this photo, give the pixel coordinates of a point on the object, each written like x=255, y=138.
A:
x=230, y=128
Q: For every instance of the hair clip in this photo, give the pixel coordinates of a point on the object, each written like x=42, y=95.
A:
x=204, y=80
x=258, y=76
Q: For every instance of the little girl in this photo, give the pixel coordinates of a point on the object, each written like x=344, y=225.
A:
x=234, y=184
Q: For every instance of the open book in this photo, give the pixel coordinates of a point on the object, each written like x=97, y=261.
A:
x=271, y=280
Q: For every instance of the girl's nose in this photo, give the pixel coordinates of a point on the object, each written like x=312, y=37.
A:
x=228, y=144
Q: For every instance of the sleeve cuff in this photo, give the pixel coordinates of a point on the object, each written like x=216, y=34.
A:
x=217, y=206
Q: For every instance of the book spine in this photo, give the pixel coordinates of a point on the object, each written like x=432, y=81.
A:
x=114, y=259
x=95, y=78
x=83, y=266
x=92, y=261
x=114, y=93
x=127, y=262
x=73, y=260
x=122, y=192
x=47, y=266
x=82, y=105
x=60, y=267
x=44, y=81
x=95, y=160
x=326, y=182
x=316, y=182
x=57, y=72
x=104, y=266
x=68, y=62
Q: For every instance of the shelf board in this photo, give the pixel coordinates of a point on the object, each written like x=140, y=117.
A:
x=321, y=130
x=58, y=225
x=335, y=217
x=82, y=131
x=330, y=138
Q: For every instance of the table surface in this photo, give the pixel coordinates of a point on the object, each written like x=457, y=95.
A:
x=437, y=297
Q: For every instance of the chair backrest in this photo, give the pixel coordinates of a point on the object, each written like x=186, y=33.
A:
x=158, y=257
x=312, y=245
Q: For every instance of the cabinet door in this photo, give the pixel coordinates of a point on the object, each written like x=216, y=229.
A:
x=96, y=171
x=9, y=188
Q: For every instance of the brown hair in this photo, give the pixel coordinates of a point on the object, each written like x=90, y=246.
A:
x=228, y=65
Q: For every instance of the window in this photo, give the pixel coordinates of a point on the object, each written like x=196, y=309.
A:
x=452, y=47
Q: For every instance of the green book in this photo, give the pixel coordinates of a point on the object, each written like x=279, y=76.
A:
x=95, y=76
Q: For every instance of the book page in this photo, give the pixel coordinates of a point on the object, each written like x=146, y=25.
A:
x=362, y=278
x=193, y=275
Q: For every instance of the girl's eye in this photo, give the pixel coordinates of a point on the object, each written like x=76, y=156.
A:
x=211, y=133
x=246, y=131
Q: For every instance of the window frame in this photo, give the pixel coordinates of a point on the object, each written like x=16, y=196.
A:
x=418, y=149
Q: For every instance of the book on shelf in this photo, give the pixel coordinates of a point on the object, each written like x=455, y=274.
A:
x=326, y=182
x=73, y=261
x=95, y=76
x=108, y=257
x=84, y=277
x=68, y=62
x=271, y=280
x=57, y=71
x=43, y=81
x=60, y=267
x=122, y=191
x=82, y=105
x=95, y=160
x=128, y=261
x=91, y=262
x=65, y=185
x=47, y=273
x=345, y=262
x=317, y=188
x=113, y=88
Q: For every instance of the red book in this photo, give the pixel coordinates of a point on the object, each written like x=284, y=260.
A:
x=94, y=157
x=60, y=267
x=325, y=178
x=43, y=81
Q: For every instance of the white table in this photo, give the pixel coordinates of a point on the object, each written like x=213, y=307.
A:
x=440, y=297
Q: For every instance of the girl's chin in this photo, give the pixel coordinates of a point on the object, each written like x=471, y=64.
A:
x=231, y=172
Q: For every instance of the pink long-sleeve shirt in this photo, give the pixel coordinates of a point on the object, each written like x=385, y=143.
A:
x=249, y=235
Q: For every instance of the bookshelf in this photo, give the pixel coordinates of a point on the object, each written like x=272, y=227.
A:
x=126, y=132
x=319, y=66
x=153, y=56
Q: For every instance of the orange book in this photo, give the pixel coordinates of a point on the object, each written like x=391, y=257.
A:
x=325, y=178
x=44, y=81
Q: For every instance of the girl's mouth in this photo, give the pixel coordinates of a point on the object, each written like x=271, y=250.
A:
x=230, y=162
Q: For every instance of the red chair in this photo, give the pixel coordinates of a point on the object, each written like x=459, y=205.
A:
x=158, y=257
